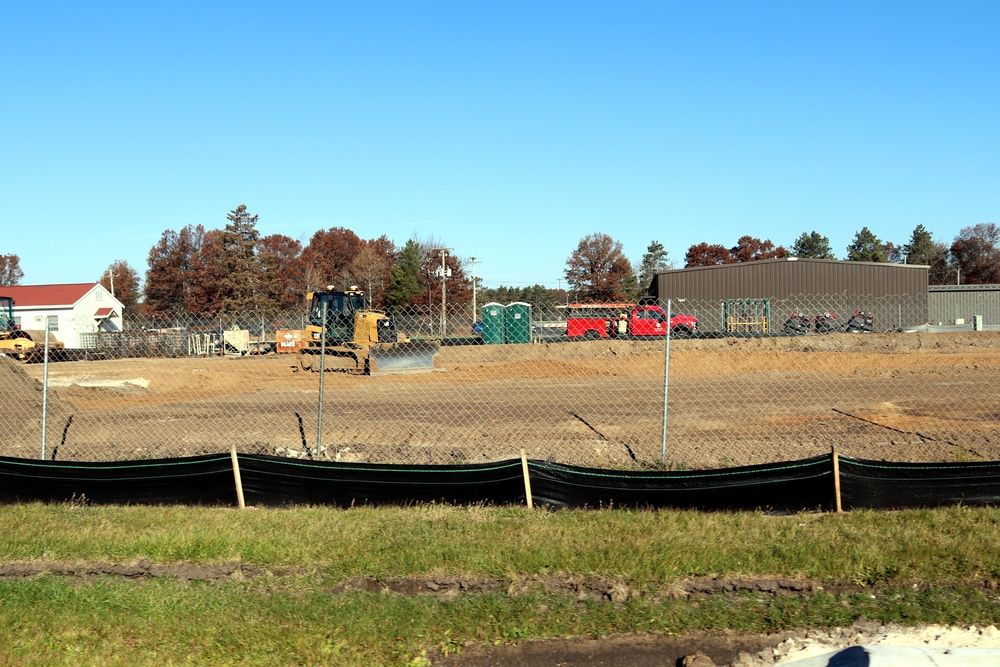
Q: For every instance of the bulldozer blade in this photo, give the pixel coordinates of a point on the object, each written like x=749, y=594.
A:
x=414, y=356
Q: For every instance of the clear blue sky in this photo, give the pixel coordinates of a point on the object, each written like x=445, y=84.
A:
x=506, y=130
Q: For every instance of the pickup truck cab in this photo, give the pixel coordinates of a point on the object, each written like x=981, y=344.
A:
x=624, y=320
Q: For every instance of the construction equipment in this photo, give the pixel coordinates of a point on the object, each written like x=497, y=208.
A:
x=358, y=339
x=28, y=346
x=797, y=324
x=861, y=322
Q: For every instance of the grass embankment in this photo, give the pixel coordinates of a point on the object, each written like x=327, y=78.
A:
x=910, y=567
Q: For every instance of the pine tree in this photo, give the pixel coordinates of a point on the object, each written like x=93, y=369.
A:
x=866, y=247
x=246, y=283
x=653, y=262
x=812, y=245
x=920, y=249
x=404, y=278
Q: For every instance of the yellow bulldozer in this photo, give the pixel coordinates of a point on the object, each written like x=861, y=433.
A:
x=357, y=338
x=18, y=343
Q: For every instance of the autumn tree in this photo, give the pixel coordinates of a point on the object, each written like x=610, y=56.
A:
x=281, y=257
x=169, y=278
x=207, y=273
x=10, y=270
x=866, y=247
x=812, y=245
x=976, y=253
x=654, y=261
x=328, y=256
x=750, y=249
x=597, y=270
x=704, y=254
x=372, y=267
x=123, y=282
x=458, y=288
x=405, y=286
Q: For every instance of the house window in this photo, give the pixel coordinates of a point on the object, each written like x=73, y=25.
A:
x=98, y=295
x=53, y=322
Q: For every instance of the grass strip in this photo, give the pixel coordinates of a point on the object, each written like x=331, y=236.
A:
x=645, y=547
x=920, y=566
x=53, y=621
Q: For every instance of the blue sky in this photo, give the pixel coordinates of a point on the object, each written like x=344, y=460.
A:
x=505, y=130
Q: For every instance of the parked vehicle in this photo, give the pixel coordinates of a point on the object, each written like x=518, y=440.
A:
x=624, y=320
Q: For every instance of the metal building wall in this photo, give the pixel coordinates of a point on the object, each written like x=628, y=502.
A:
x=897, y=291
x=948, y=303
x=781, y=278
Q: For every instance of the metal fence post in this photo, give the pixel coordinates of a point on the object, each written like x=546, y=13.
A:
x=45, y=389
x=666, y=384
x=322, y=376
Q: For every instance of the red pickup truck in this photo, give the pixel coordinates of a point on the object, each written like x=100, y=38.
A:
x=624, y=320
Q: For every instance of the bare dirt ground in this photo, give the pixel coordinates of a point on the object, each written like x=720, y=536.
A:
x=733, y=401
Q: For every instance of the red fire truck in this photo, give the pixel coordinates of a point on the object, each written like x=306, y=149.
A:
x=624, y=320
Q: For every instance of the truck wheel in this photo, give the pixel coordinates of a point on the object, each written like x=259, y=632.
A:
x=305, y=361
x=681, y=331
x=591, y=335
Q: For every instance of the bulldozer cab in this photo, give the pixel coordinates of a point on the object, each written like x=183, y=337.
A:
x=359, y=338
x=341, y=308
x=6, y=313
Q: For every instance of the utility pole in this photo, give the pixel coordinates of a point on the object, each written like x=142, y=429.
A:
x=473, y=262
x=443, y=272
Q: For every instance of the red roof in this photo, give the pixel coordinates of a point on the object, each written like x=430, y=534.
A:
x=46, y=295
x=104, y=312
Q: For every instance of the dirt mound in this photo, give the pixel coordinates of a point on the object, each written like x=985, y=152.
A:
x=21, y=398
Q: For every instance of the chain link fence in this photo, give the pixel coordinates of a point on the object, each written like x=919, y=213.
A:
x=757, y=381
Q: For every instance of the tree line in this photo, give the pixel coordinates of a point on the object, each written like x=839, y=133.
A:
x=196, y=271
x=598, y=270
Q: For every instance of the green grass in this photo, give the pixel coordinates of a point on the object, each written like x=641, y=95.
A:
x=911, y=567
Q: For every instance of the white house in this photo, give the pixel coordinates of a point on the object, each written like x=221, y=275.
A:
x=68, y=310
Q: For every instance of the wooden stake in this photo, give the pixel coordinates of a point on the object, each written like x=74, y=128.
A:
x=836, y=481
x=236, y=476
x=527, y=480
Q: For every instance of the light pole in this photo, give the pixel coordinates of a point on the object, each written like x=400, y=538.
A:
x=443, y=272
x=473, y=262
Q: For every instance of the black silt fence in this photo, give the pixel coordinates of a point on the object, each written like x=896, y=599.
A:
x=785, y=487
x=881, y=485
x=197, y=480
x=804, y=485
x=277, y=481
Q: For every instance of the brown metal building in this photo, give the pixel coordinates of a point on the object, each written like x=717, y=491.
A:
x=897, y=293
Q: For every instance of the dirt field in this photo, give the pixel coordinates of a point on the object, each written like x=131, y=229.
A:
x=732, y=401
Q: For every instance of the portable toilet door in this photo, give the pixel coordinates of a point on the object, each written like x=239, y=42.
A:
x=494, y=328
x=518, y=316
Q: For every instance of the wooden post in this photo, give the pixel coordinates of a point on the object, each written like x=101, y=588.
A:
x=236, y=476
x=836, y=481
x=527, y=480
